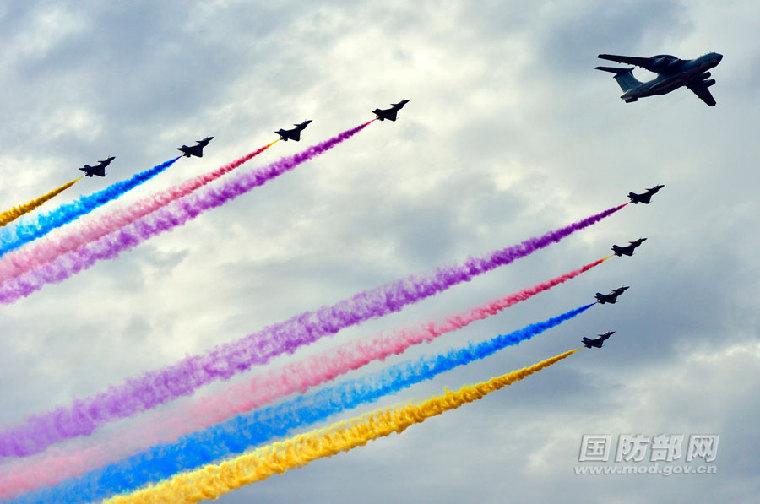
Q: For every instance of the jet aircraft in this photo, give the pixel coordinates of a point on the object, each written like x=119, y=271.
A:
x=611, y=297
x=195, y=150
x=294, y=133
x=628, y=249
x=99, y=170
x=390, y=113
x=597, y=342
x=672, y=73
x=646, y=196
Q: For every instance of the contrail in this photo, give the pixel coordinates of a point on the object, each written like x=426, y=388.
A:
x=13, y=237
x=276, y=384
x=25, y=259
x=175, y=214
x=14, y=213
x=158, y=387
x=262, y=426
x=214, y=481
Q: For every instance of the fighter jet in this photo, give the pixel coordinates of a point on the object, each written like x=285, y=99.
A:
x=195, y=150
x=99, y=170
x=390, y=113
x=628, y=249
x=597, y=342
x=645, y=196
x=673, y=73
x=293, y=134
x=611, y=297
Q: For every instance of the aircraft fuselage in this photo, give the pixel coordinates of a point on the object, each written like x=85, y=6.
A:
x=670, y=81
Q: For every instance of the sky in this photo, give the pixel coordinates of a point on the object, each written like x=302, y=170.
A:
x=509, y=132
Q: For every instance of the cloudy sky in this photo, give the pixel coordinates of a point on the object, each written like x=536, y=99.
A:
x=509, y=132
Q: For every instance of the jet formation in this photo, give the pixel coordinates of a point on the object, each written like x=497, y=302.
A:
x=99, y=170
x=597, y=342
x=390, y=113
x=627, y=250
x=293, y=133
x=610, y=298
x=672, y=73
x=644, y=197
x=195, y=150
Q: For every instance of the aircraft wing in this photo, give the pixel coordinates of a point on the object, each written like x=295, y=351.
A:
x=629, y=60
x=703, y=92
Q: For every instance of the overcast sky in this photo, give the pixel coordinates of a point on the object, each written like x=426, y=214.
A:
x=510, y=132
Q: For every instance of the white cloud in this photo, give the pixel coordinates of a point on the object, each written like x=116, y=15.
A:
x=509, y=132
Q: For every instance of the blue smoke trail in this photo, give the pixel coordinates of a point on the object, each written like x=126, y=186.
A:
x=243, y=432
x=13, y=237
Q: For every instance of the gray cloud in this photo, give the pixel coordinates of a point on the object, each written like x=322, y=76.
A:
x=510, y=132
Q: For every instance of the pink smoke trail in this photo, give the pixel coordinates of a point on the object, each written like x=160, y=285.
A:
x=177, y=213
x=168, y=426
x=20, y=261
x=154, y=388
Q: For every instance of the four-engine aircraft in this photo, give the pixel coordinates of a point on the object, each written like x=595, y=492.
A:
x=672, y=73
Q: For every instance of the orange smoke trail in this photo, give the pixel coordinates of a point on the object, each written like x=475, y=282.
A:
x=14, y=213
x=215, y=480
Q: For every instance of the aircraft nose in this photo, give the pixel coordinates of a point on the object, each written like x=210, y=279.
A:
x=718, y=57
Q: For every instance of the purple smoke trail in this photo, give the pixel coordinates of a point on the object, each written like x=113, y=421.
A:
x=169, y=217
x=158, y=387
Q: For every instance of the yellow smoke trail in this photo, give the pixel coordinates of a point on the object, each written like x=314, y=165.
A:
x=16, y=212
x=215, y=480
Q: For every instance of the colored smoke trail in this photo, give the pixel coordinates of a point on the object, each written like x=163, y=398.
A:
x=261, y=426
x=14, y=237
x=159, y=387
x=214, y=481
x=16, y=212
x=175, y=214
x=276, y=384
x=25, y=259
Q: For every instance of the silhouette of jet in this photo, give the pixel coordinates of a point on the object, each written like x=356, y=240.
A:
x=293, y=134
x=99, y=170
x=628, y=249
x=673, y=73
x=197, y=149
x=646, y=196
x=597, y=342
x=390, y=113
x=610, y=298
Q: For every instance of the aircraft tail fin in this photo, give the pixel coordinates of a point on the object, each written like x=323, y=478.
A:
x=623, y=76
